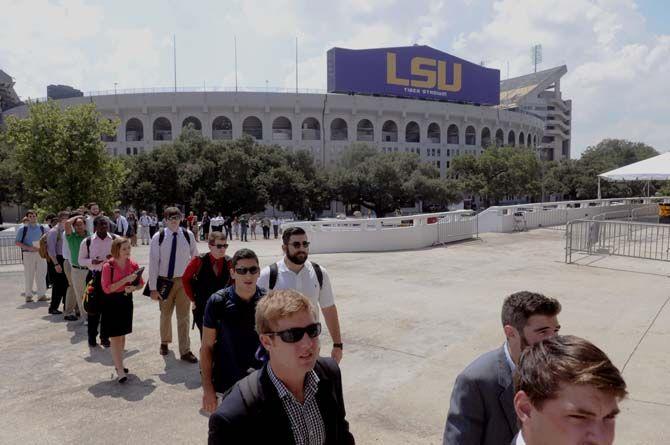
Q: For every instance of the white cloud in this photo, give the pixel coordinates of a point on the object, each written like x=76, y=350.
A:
x=614, y=65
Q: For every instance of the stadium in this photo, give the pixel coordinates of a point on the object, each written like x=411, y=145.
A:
x=412, y=99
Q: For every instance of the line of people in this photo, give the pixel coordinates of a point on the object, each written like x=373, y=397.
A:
x=259, y=352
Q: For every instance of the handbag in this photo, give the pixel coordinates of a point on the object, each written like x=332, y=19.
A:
x=163, y=286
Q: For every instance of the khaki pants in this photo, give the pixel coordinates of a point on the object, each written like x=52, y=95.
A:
x=34, y=271
x=70, y=296
x=179, y=299
x=79, y=284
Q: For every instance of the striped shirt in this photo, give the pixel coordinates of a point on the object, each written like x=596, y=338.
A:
x=305, y=418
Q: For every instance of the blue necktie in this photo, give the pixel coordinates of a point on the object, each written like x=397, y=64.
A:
x=173, y=256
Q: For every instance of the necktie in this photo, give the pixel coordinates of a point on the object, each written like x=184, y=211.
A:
x=173, y=256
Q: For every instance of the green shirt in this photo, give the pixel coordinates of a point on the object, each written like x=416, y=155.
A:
x=74, y=242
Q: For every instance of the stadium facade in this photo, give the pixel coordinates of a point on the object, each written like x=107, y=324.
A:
x=427, y=102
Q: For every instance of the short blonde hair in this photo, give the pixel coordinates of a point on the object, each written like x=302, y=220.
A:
x=214, y=236
x=116, y=245
x=280, y=304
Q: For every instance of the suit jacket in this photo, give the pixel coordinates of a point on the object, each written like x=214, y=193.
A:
x=482, y=403
x=262, y=420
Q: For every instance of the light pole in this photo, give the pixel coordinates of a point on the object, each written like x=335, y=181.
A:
x=115, y=84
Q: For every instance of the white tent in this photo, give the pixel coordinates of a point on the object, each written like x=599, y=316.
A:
x=651, y=169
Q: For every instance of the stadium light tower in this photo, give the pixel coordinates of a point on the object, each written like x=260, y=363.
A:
x=536, y=55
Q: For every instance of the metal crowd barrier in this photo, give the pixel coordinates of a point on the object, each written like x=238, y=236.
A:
x=9, y=253
x=618, y=238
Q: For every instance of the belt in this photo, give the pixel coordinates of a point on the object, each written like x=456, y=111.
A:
x=79, y=267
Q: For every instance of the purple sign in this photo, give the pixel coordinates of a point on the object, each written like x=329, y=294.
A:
x=417, y=72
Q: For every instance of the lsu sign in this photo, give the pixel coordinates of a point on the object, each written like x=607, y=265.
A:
x=417, y=72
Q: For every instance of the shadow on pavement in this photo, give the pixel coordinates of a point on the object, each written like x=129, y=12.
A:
x=104, y=356
x=178, y=372
x=56, y=318
x=80, y=331
x=133, y=390
x=34, y=305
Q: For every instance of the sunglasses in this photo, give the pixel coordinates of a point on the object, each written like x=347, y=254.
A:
x=174, y=218
x=220, y=246
x=253, y=270
x=294, y=335
x=298, y=244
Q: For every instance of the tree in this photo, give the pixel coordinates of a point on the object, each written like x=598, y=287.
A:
x=234, y=177
x=385, y=182
x=11, y=185
x=498, y=173
x=578, y=179
x=62, y=159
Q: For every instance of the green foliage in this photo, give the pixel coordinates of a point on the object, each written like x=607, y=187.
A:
x=385, y=182
x=11, y=185
x=62, y=159
x=234, y=177
x=578, y=179
x=498, y=173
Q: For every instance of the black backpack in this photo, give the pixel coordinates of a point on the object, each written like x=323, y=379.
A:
x=161, y=236
x=25, y=232
x=274, y=273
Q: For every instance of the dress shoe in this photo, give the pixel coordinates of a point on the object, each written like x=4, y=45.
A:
x=54, y=312
x=163, y=350
x=70, y=318
x=189, y=357
x=105, y=342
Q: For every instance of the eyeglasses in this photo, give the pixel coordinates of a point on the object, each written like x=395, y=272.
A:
x=298, y=244
x=175, y=218
x=253, y=270
x=220, y=246
x=294, y=335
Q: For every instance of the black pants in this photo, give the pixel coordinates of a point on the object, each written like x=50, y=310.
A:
x=95, y=321
x=60, y=284
x=243, y=233
x=229, y=232
x=266, y=232
x=198, y=319
x=205, y=231
x=276, y=230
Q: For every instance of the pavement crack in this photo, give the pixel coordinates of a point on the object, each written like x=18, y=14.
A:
x=645, y=333
x=649, y=402
x=390, y=349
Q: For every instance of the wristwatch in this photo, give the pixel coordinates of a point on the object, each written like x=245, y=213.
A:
x=338, y=345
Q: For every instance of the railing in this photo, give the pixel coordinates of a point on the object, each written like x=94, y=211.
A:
x=9, y=253
x=552, y=214
x=395, y=233
x=618, y=238
x=214, y=89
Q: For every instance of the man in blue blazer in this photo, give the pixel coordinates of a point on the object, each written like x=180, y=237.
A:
x=482, y=401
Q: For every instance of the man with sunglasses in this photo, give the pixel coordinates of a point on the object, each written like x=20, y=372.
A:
x=229, y=340
x=206, y=274
x=296, y=397
x=170, y=251
x=294, y=271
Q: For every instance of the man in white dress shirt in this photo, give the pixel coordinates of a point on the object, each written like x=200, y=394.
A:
x=145, y=222
x=294, y=271
x=568, y=392
x=170, y=251
x=121, y=223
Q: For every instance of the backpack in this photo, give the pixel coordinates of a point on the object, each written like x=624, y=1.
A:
x=250, y=386
x=274, y=273
x=92, y=298
x=88, y=243
x=25, y=232
x=44, y=252
x=161, y=236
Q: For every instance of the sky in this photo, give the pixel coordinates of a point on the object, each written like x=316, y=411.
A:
x=617, y=51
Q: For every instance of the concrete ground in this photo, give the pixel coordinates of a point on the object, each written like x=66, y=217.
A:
x=411, y=322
